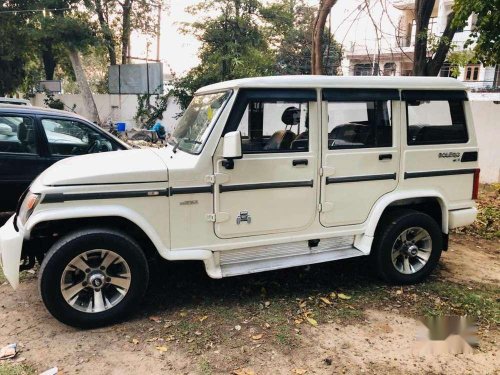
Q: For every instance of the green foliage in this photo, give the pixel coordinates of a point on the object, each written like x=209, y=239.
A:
x=13, y=52
x=485, y=36
x=290, y=31
x=244, y=38
x=147, y=114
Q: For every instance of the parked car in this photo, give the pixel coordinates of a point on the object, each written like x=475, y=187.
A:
x=32, y=139
x=14, y=101
x=260, y=174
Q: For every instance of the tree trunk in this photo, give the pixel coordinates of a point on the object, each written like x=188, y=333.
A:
x=423, y=11
x=435, y=64
x=106, y=31
x=423, y=65
x=127, y=12
x=318, y=30
x=49, y=61
x=81, y=79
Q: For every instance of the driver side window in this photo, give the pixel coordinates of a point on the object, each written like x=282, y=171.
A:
x=70, y=138
x=275, y=127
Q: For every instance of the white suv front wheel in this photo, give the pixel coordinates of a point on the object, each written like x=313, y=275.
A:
x=93, y=277
x=407, y=246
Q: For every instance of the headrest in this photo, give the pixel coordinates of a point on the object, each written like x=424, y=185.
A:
x=291, y=116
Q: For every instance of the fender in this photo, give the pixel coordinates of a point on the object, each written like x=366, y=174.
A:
x=119, y=211
x=386, y=200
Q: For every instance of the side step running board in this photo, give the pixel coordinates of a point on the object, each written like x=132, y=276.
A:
x=268, y=258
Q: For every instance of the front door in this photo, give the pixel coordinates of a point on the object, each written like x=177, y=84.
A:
x=360, y=152
x=273, y=188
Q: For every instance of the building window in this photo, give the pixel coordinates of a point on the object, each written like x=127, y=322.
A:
x=389, y=69
x=448, y=70
x=472, y=72
x=364, y=69
x=496, y=81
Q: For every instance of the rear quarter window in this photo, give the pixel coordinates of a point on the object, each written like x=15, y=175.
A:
x=436, y=122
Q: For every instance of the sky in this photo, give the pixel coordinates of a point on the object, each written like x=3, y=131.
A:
x=179, y=50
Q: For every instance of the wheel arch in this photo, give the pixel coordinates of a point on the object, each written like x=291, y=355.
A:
x=126, y=220
x=431, y=203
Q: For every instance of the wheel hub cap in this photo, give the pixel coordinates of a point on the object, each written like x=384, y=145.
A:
x=411, y=250
x=95, y=281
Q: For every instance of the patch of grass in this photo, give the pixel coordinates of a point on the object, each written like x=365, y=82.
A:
x=478, y=301
x=16, y=369
x=205, y=367
x=487, y=224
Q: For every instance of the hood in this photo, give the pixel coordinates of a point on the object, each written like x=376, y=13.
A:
x=130, y=166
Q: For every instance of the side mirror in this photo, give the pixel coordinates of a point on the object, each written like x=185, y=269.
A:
x=232, y=149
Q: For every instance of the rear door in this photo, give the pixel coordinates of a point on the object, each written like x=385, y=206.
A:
x=273, y=188
x=440, y=148
x=360, y=152
x=20, y=159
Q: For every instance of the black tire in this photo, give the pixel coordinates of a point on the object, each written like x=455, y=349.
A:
x=71, y=246
x=395, y=223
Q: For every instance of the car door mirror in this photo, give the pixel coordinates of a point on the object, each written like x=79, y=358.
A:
x=231, y=149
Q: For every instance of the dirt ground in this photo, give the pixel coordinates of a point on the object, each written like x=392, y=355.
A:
x=325, y=319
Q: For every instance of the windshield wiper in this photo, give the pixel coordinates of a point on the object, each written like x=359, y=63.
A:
x=188, y=140
x=176, y=146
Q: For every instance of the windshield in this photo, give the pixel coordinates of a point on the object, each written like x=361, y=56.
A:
x=194, y=126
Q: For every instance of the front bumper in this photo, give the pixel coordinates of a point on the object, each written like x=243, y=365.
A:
x=11, y=245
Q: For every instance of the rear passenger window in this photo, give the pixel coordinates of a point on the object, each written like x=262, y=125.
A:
x=436, y=122
x=17, y=135
x=359, y=124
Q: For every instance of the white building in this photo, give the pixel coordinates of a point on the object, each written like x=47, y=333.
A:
x=395, y=55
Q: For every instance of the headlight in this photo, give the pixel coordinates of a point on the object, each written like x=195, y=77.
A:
x=29, y=203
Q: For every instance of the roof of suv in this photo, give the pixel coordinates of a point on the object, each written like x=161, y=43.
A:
x=309, y=81
x=12, y=108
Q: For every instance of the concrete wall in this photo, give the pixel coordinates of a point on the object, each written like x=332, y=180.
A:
x=487, y=123
x=118, y=108
x=486, y=117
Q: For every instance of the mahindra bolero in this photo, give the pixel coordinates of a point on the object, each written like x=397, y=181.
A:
x=260, y=174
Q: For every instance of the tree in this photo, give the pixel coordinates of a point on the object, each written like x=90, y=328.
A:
x=485, y=36
x=290, y=33
x=117, y=19
x=424, y=65
x=233, y=45
x=13, y=54
x=325, y=6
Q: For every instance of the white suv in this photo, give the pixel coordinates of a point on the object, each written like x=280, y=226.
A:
x=260, y=174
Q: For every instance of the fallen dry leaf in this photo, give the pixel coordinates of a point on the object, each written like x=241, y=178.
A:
x=135, y=341
x=237, y=327
x=333, y=295
x=243, y=371
x=344, y=296
x=298, y=321
x=183, y=314
x=257, y=337
x=325, y=300
x=162, y=349
x=155, y=319
x=203, y=318
x=299, y=371
x=267, y=325
x=312, y=321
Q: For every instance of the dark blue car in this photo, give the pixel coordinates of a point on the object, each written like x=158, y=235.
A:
x=33, y=138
